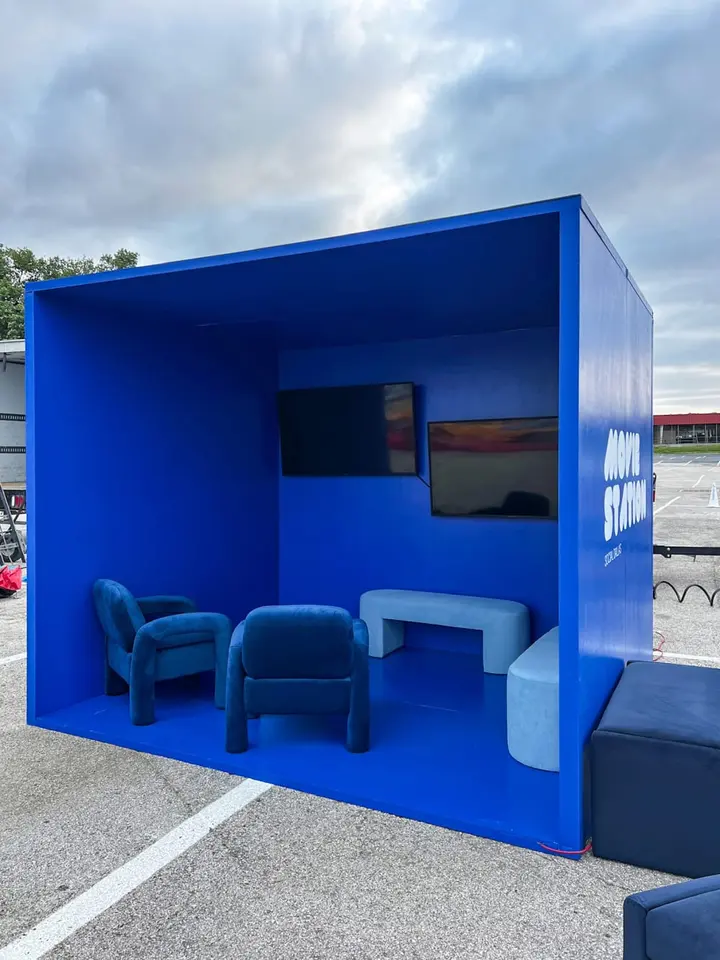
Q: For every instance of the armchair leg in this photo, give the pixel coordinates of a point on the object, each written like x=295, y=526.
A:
x=358, y=729
x=223, y=634
x=115, y=686
x=236, y=733
x=358, y=725
x=358, y=733
x=142, y=688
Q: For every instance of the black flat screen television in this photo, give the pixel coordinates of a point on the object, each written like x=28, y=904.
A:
x=494, y=468
x=364, y=431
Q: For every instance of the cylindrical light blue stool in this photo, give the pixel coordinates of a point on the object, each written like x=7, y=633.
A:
x=533, y=705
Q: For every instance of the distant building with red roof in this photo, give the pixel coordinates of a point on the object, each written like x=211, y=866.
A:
x=687, y=428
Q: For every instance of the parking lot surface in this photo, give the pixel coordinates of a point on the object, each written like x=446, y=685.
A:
x=288, y=875
x=683, y=517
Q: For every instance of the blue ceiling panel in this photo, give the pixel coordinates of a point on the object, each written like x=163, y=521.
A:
x=458, y=276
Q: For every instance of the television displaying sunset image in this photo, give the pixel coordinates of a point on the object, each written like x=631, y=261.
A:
x=502, y=468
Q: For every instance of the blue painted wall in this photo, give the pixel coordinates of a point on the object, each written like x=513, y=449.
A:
x=606, y=540
x=615, y=394
x=153, y=427
x=340, y=537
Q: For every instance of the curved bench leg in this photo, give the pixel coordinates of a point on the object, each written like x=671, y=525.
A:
x=503, y=645
x=385, y=635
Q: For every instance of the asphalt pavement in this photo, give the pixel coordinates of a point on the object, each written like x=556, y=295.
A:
x=291, y=875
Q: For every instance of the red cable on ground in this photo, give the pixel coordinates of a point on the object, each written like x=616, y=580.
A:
x=659, y=648
x=567, y=853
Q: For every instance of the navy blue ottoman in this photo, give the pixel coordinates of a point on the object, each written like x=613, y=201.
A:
x=655, y=770
x=681, y=922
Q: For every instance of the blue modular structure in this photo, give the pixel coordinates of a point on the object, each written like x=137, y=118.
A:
x=156, y=389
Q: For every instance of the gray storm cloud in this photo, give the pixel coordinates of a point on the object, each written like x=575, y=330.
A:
x=181, y=130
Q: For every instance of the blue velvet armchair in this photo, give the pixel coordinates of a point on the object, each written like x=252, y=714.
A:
x=679, y=922
x=157, y=638
x=298, y=660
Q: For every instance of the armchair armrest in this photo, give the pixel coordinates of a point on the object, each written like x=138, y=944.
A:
x=236, y=641
x=361, y=666
x=236, y=671
x=170, y=631
x=360, y=638
x=152, y=608
x=174, y=631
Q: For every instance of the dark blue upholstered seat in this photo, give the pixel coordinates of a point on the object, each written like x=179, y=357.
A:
x=655, y=780
x=298, y=660
x=680, y=922
x=157, y=638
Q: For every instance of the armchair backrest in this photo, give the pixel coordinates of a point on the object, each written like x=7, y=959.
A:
x=118, y=613
x=297, y=642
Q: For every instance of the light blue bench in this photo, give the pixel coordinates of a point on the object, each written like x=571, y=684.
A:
x=533, y=705
x=505, y=624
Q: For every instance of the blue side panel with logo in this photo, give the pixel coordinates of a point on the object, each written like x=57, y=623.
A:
x=614, y=602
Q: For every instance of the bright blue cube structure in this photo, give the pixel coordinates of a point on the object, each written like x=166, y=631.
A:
x=153, y=459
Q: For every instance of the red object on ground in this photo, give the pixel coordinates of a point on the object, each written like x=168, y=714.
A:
x=659, y=648
x=10, y=580
x=567, y=853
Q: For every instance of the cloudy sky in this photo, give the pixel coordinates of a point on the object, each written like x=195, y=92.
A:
x=179, y=129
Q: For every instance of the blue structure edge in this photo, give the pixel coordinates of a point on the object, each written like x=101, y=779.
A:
x=243, y=766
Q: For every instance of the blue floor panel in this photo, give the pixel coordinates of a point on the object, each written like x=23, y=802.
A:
x=438, y=747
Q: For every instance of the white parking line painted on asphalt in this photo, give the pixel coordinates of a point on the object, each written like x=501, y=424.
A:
x=655, y=513
x=698, y=480
x=13, y=659
x=81, y=910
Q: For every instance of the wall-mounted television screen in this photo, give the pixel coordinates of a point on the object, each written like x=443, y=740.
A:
x=494, y=468
x=364, y=431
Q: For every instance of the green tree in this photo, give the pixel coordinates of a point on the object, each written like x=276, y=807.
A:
x=19, y=266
